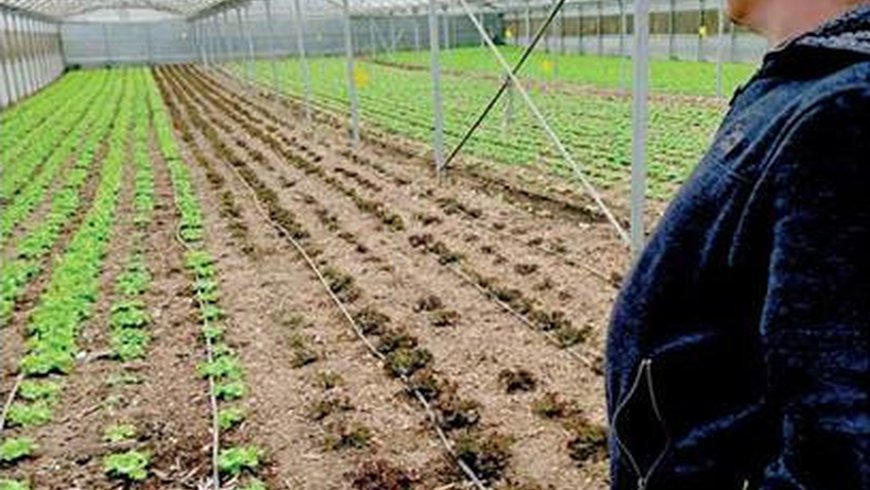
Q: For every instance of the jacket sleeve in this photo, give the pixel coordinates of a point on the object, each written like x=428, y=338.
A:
x=816, y=317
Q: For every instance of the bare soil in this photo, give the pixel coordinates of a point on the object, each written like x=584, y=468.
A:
x=500, y=283
x=363, y=208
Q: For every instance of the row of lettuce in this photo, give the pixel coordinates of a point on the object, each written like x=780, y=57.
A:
x=67, y=302
x=112, y=131
x=81, y=135
x=37, y=155
x=222, y=367
x=594, y=125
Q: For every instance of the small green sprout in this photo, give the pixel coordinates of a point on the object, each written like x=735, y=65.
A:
x=131, y=465
x=12, y=450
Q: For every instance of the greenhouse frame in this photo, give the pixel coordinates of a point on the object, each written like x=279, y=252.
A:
x=317, y=244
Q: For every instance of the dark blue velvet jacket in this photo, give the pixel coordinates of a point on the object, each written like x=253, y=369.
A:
x=737, y=355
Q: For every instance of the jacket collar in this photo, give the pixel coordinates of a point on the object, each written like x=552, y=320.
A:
x=849, y=32
x=836, y=44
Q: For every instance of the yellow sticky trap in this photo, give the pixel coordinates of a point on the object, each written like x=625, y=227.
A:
x=509, y=34
x=547, y=66
x=361, y=77
x=702, y=31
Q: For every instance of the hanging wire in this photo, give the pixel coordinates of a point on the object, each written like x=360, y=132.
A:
x=507, y=81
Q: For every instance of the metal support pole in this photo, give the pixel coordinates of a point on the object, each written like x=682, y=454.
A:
x=482, y=22
x=8, y=82
x=640, y=102
x=303, y=60
x=508, y=108
x=43, y=52
x=61, y=56
x=208, y=42
x=545, y=126
x=208, y=53
x=148, y=44
x=446, y=18
x=219, y=41
x=34, y=52
x=351, y=78
x=701, y=9
x=623, y=31
x=417, y=31
x=450, y=41
x=548, y=41
x=391, y=26
x=599, y=28
x=107, y=50
x=31, y=54
x=672, y=25
x=20, y=70
x=249, y=37
x=732, y=48
x=372, y=38
x=36, y=41
x=528, y=22
x=562, y=31
x=215, y=39
x=276, y=80
x=720, y=49
x=199, y=25
x=239, y=45
x=225, y=36
x=581, y=48
x=437, y=109
x=21, y=44
x=623, y=21
x=46, y=50
x=239, y=50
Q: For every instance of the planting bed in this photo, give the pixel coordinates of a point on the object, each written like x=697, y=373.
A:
x=225, y=292
x=586, y=105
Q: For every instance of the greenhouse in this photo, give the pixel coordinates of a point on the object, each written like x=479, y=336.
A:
x=323, y=244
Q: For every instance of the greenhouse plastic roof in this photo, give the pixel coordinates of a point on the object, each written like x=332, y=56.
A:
x=60, y=9
x=65, y=8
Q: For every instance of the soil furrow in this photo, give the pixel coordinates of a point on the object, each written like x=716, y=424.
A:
x=395, y=284
x=12, y=345
x=302, y=363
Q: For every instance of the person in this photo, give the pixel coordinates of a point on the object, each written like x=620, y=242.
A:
x=737, y=354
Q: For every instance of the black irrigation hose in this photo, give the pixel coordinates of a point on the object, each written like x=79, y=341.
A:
x=507, y=81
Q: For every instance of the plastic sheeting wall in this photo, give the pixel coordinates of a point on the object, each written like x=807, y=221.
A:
x=113, y=43
x=590, y=27
x=679, y=29
x=30, y=55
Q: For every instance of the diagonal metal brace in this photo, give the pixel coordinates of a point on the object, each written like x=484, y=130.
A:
x=506, y=83
x=575, y=168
